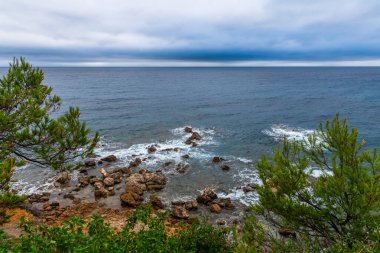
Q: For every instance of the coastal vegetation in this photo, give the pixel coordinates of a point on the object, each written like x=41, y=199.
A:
x=32, y=130
x=298, y=210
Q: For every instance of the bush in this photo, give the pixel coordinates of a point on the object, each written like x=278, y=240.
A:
x=336, y=212
x=96, y=236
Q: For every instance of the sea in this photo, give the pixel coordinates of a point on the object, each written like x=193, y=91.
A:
x=241, y=113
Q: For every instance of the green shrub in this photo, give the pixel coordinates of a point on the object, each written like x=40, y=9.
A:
x=336, y=212
x=96, y=236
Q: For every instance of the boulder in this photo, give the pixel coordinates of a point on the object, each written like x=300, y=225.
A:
x=195, y=136
x=135, y=163
x=151, y=149
x=83, y=181
x=207, y=196
x=156, y=202
x=110, y=158
x=63, y=178
x=177, y=149
x=226, y=203
x=191, y=205
x=180, y=212
x=215, y=208
x=117, y=177
x=90, y=163
x=217, y=159
x=188, y=130
x=94, y=179
x=104, y=173
x=108, y=181
x=69, y=196
x=130, y=199
x=156, y=178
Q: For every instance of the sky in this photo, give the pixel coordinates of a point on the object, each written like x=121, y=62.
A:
x=191, y=32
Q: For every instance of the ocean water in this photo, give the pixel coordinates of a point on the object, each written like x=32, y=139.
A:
x=242, y=113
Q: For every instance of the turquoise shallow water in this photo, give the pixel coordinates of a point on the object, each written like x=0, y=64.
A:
x=241, y=112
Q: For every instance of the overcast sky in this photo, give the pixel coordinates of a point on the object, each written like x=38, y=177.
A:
x=190, y=32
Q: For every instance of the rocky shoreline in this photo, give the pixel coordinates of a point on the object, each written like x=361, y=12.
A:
x=101, y=187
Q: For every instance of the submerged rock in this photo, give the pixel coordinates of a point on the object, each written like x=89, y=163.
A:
x=135, y=163
x=182, y=168
x=191, y=205
x=217, y=159
x=151, y=149
x=225, y=167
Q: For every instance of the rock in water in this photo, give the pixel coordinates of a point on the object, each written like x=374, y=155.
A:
x=152, y=149
x=217, y=159
x=188, y=129
x=63, y=178
x=110, y=158
x=207, y=196
x=215, y=208
x=90, y=163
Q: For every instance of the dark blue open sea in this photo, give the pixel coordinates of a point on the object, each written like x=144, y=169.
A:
x=240, y=112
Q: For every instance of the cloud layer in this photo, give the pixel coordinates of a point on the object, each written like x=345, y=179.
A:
x=117, y=32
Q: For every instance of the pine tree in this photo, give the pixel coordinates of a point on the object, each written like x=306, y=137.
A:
x=28, y=132
x=339, y=210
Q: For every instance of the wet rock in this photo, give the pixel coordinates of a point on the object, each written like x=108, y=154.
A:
x=221, y=222
x=111, y=192
x=39, y=197
x=248, y=188
x=182, y=168
x=130, y=199
x=151, y=149
x=54, y=204
x=90, y=163
x=92, y=155
x=135, y=163
x=100, y=191
x=217, y=159
x=188, y=142
x=108, y=181
x=117, y=177
x=63, y=178
x=104, y=173
x=83, y=170
x=180, y=212
x=156, y=202
x=207, y=196
x=191, y=205
x=195, y=136
x=69, y=196
x=225, y=167
x=226, y=203
x=215, y=208
x=178, y=203
x=177, y=149
x=157, y=178
x=122, y=170
x=83, y=181
x=110, y=158
x=185, y=157
x=143, y=171
x=94, y=179
x=188, y=130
